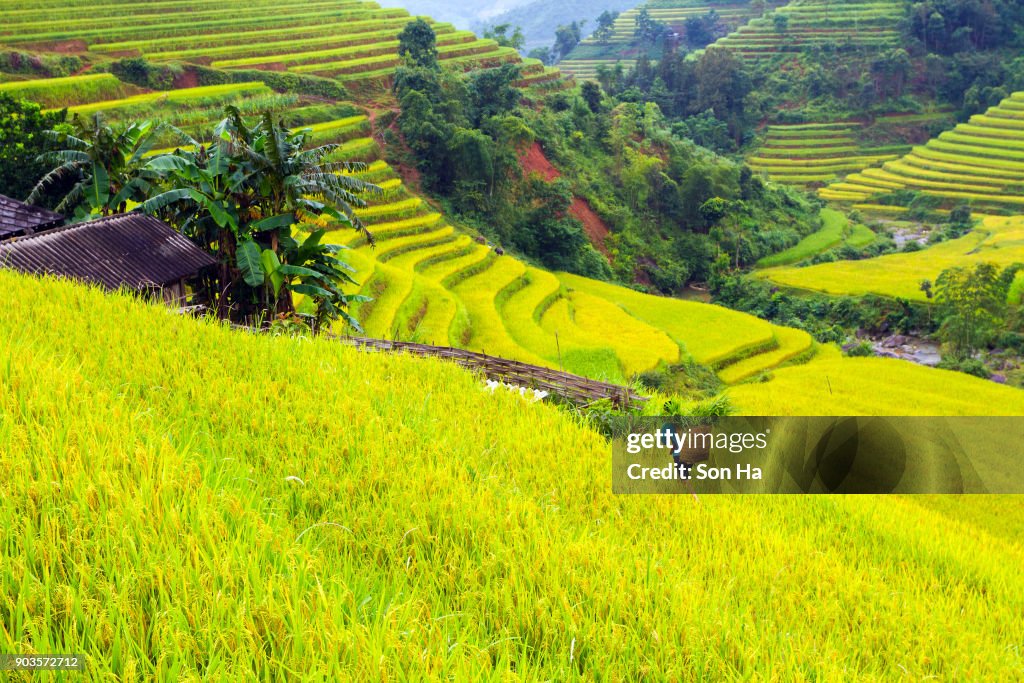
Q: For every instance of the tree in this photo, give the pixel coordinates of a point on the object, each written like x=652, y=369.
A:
x=100, y=168
x=417, y=45
x=722, y=87
x=648, y=29
x=567, y=37
x=493, y=91
x=544, y=54
x=240, y=196
x=500, y=35
x=703, y=30
x=591, y=94
x=605, y=26
x=22, y=140
x=973, y=301
x=548, y=230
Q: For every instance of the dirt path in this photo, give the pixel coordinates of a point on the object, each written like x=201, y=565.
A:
x=597, y=230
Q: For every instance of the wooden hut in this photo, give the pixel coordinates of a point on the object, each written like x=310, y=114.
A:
x=131, y=251
x=18, y=219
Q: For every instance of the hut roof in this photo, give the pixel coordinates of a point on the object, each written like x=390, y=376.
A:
x=132, y=250
x=18, y=218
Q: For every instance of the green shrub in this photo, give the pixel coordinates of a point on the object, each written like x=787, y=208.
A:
x=970, y=366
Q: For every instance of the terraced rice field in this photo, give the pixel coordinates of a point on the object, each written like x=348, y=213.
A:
x=622, y=46
x=436, y=286
x=53, y=92
x=836, y=230
x=815, y=153
x=352, y=41
x=196, y=111
x=850, y=26
x=431, y=284
x=979, y=163
x=998, y=240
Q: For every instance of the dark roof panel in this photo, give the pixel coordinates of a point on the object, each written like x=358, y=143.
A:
x=18, y=218
x=132, y=250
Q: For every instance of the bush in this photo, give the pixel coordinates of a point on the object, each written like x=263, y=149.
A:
x=51, y=66
x=969, y=366
x=138, y=71
x=860, y=349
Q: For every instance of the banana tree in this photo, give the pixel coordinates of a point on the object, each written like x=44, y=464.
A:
x=241, y=196
x=100, y=169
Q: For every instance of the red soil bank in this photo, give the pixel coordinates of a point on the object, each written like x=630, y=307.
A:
x=534, y=161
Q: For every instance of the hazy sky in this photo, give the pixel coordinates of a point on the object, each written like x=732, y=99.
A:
x=462, y=13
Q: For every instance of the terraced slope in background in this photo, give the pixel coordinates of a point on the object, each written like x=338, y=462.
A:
x=352, y=41
x=623, y=46
x=815, y=153
x=432, y=283
x=980, y=163
x=852, y=26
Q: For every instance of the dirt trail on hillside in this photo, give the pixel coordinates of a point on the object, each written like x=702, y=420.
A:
x=597, y=230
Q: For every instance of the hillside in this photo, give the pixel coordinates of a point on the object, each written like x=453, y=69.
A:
x=980, y=162
x=431, y=281
x=152, y=530
x=623, y=46
x=801, y=26
x=352, y=41
x=539, y=19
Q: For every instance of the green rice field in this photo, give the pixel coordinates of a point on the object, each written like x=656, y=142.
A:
x=622, y=48
x=351, y=41
x=979, y=163
x=815, y=154
x=852, y=26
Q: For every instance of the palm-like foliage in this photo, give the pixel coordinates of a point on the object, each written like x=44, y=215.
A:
x=240, y=197
x=102, y=168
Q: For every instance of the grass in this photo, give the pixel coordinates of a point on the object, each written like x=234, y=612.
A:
x=236, y=43
x=521, y=304
x=172, y=512
x=981, y=161
x=804, y=154
x=182, y=25
x=387, y=45
x=394, y=211
x=583, y=355
x=638, y=345
x=55, y=93
x=997, y=240
x=389, y=288
x=829, y=236
x=487, y=331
